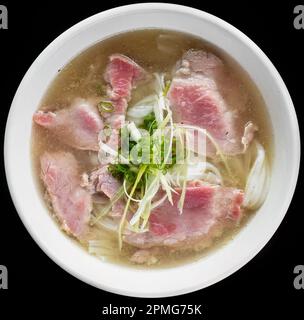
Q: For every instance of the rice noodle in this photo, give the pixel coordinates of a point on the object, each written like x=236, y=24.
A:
x=101, y=248
x=198, y=171
x=257, y=180
x=158, y=202
x=127, y=194
x=108, y=224
x=209, y=136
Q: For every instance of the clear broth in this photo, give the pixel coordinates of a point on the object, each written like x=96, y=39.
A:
x=156, y=51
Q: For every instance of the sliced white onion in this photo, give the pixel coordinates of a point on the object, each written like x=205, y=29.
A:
x=158, y=111
x=141, y=110
x=105, y=149
x=161, y=104
x=159, y=82
x=134, y=132
x=153, y=103
x=149, y=194
x=196, y=171
x=166, y=186
x=137, y=121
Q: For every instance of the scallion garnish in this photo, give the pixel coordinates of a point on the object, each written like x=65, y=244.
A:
x=105, y=106
x=166, y=88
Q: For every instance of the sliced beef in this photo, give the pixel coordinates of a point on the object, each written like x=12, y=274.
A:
x=77, y=126
x=205, y=207
x=122, y=74
x=196, y=99
x=101, y=181
x=80, y=124
x=71, y=203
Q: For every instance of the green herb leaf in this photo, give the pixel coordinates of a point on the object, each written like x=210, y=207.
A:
x=124, y=172
x=150, y=123
x=167, y=87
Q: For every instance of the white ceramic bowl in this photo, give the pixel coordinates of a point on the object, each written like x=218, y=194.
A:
x=181, y=279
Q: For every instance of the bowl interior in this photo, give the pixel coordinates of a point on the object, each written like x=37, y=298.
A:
x=192, y=276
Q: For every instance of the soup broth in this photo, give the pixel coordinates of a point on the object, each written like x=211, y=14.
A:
x=156, y=51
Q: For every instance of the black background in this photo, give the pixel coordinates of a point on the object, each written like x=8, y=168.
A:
x=38, y=287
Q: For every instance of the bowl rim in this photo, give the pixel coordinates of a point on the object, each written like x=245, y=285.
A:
x=139, y=7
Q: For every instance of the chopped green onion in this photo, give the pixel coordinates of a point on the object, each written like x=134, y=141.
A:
x=150, y=123
x=152, y=188
x=107, y=130
x=123, y=171
x=105, y=106
x=105, y=210
x=123, y=218
x=167, y=87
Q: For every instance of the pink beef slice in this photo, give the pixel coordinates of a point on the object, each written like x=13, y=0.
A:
x=196, y=99
x=122, y=74
x=205, y=207
x=77, y=126
x=71, y=203
x=102, y=181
